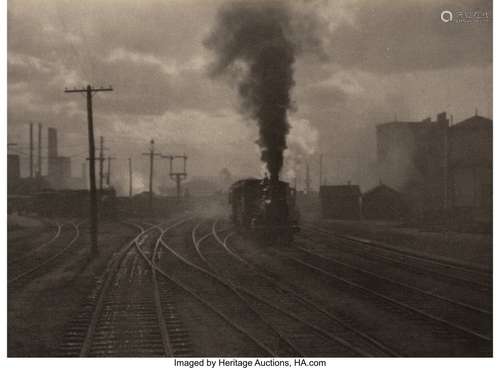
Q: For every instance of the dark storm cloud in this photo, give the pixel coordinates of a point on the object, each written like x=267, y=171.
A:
x=388, y=36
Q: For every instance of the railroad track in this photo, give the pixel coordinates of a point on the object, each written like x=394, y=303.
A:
x=304, y=337
x=452, y=271
x=301, y=307
x=40, y=247
x=128, y=314
x=58, y=228
x=32, y=264
x=466, y=318
x=218, y=296
x=411, y=276
x=440, y=316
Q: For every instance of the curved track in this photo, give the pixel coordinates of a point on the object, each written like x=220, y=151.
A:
x=221, y=300
x=33, y=265
x=300, y=305
x=457, y=273
x=38, y=248
x=290, y=318
x=130, y=313
x=122, y=319
x=455, y=321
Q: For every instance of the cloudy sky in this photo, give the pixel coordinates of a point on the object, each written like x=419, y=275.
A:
x=378, y=60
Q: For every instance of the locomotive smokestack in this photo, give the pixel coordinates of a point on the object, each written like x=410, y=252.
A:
x=253, y=43
x=274, y=178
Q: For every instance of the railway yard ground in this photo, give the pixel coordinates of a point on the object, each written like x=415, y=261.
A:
x=191, y=285
x=472, y=249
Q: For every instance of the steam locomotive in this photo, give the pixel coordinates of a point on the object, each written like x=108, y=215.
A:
x=265, y=208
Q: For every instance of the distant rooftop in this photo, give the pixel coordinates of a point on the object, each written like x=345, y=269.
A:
x=475, y=121
x=441, y=117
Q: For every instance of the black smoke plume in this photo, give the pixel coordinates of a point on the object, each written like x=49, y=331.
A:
x=253, y=42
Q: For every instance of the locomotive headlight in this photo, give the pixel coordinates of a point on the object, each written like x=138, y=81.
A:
x=267, y=201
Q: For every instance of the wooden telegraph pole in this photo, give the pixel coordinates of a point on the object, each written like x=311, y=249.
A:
x=108, y=174
x=320, y=171
x=39, y=168
x=130, y=176
x=151, y=155
x=93, y=193
x=31, y=150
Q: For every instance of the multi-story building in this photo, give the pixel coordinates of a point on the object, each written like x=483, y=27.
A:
x=412, y=158
x=470, y=168
x=439, y=168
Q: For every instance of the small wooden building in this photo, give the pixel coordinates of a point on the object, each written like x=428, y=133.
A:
x=341, y=202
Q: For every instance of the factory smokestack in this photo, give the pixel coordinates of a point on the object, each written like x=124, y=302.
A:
x=253, y=43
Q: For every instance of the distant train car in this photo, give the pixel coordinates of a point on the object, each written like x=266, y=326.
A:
x=264, y=208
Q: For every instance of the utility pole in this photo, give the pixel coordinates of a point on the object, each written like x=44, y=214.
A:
x=179, y=176
x=151, y=155
x=308, y=180
x=108, y=176
x=31, y=150
x=130, y=176
x=39, y=169
x=101, y=163
x=93, y=195
x=320, y=170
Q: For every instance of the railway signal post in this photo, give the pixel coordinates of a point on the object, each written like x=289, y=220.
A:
x=93, y=193
x=178, y=177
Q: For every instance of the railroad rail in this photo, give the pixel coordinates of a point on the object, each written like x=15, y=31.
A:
x=397, y=297
x=414, y=277
x=455, y=271
x=34, y=265
x=128, y=314
x=85, y=335
x=38, y=248
x=325, y=321
x=209, y=294
x=394, y=296
x=328, y=337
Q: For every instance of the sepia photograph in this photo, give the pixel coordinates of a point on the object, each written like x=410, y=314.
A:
x=241, y=181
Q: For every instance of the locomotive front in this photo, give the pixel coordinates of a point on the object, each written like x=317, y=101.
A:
x=265, y=208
